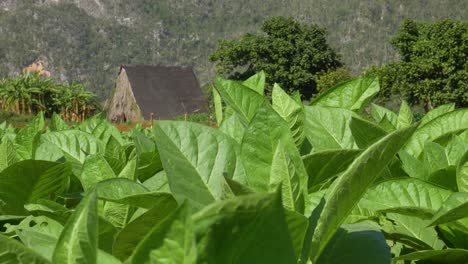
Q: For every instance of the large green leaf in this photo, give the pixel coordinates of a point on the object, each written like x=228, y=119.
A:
x=79, y=239
x=323, y=165
x=73, y=145
x=454, y=208
x=233, y=127
x=104, y=131
x=26, y=138
x=410, y=196
x=242, y=99
x=12, y=251
x=129, y=237
x=380, y=114
x=158, y=183
x=414, y=167
x=445, y=256
x=196, y=158
x=38, y=233
x=364, y=132
x=57, y=123
x=455, y=149
x=246, y=229
x=95, y=169
x=297, y=227
x=435, y=157
x=462, y=173
x=172, y=241
x=256, y=82
x=328, y=128
x=445, y=124
x=7, y=153
x=291, y=111
x=270, y=158
x=353, y=95
x=405, y=116
x=29, y=180
x=125, y=191
x=434, y=113
x=357, y=243
x=412, y=231
x=149, y=161
x=346, y=192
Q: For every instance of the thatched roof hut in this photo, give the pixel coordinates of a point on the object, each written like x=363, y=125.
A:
x=165, y=91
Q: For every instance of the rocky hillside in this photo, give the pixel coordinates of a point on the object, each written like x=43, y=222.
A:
x=87, y=40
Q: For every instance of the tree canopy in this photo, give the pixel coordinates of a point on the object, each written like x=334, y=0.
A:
x=433, y=69
x=291, y=54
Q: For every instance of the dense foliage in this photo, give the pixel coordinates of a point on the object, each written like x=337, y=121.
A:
x=290, y=53
x=277, y=182
x=88, y=40
x=433, y=69
x=31, y=93
x=331, y=78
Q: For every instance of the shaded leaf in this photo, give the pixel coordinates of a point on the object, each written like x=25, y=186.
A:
x=125, y=191
x=364, y=132
x=171, y=241
x=356, y=243
x=454, y=208
x=230, y=231
x=462, y=173
x=129, y=237
x=323, y=165
x=29, y=180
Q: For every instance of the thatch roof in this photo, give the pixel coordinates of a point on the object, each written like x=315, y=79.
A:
x=165, y=91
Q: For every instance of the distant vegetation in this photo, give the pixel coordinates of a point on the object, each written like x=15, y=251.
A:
x=291, y=54
x=31, y=93
x=433, y=69
x=89, y=42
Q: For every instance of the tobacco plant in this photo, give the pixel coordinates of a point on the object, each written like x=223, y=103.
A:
x=338, y=181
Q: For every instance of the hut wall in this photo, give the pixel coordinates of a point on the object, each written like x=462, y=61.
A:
x=123, y=106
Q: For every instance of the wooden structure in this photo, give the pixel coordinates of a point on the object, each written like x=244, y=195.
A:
x=165, y=91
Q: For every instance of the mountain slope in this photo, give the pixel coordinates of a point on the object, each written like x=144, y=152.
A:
x=87, y=40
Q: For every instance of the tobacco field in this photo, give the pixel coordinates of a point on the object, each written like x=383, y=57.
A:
x=340, y=180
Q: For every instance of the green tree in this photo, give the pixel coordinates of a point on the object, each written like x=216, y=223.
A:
x=331, y=78
x=433, y=69
x=290, y=53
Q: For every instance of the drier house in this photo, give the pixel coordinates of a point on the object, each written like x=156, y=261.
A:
x=165, y=91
